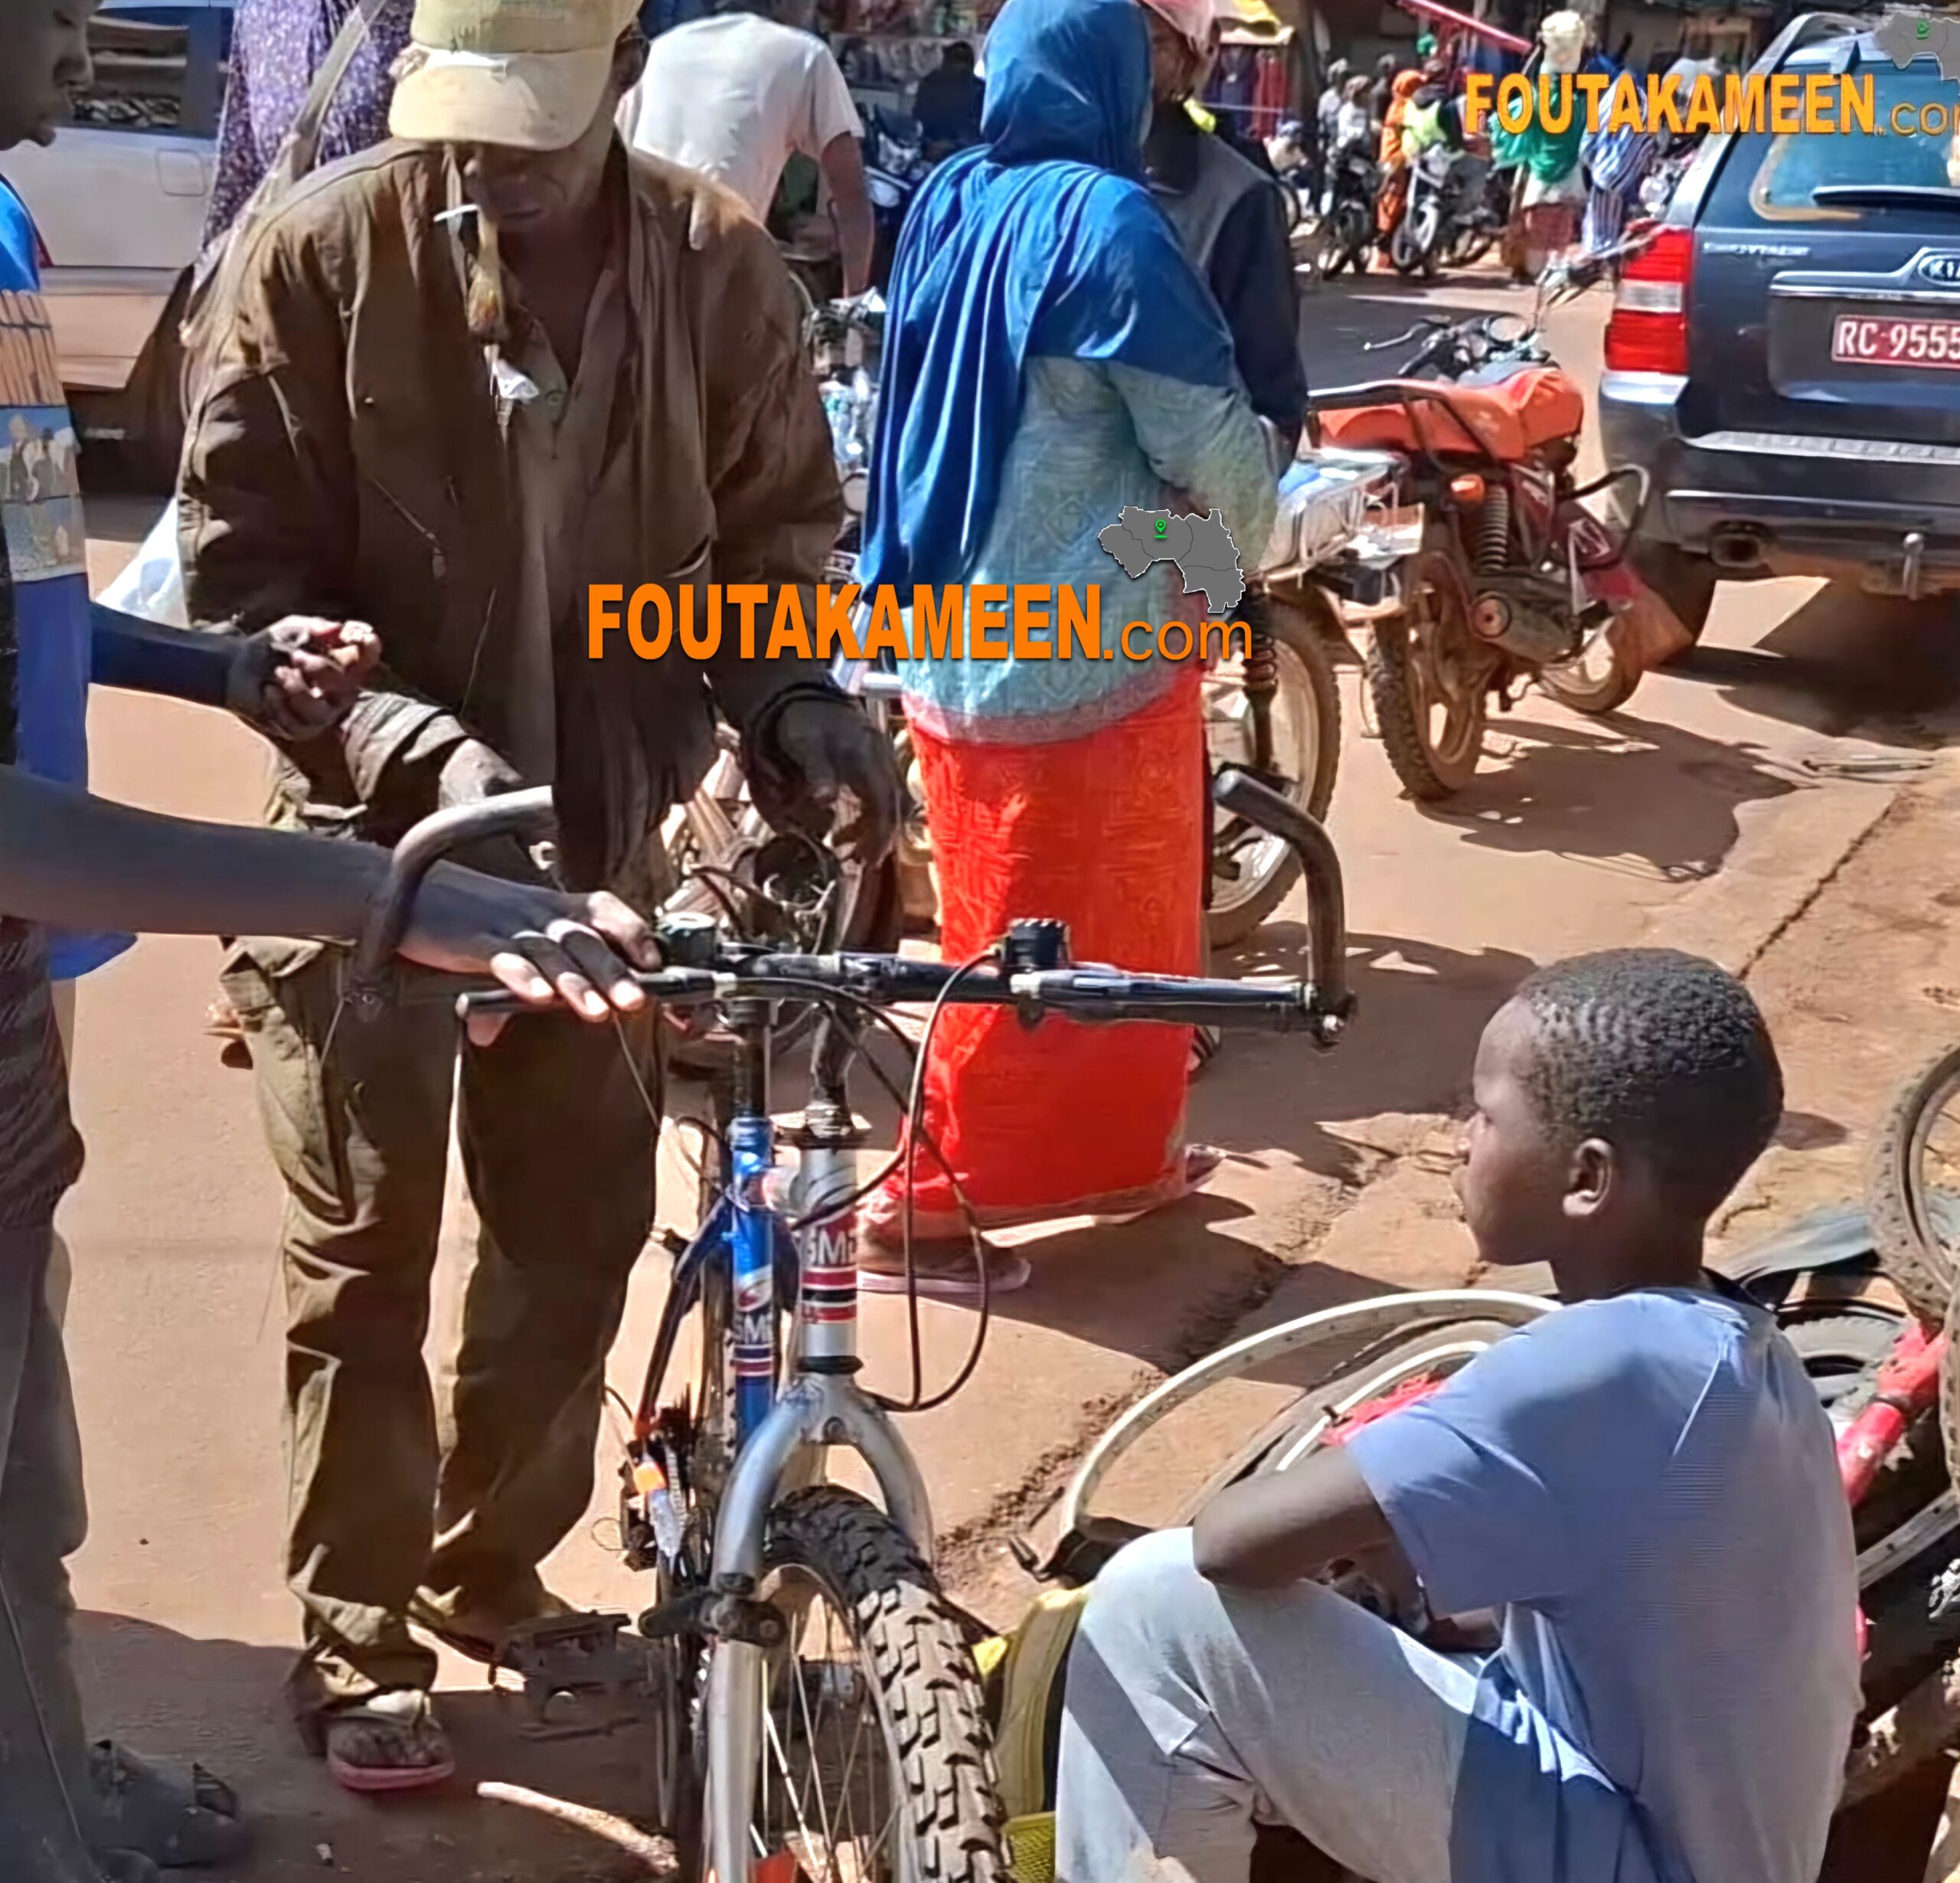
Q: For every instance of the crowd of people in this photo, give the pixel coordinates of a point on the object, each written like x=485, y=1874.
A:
x=535, y=338
x=1575, y=184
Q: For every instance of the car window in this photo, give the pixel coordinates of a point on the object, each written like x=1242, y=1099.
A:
x=1773, y=177
x=157, y=69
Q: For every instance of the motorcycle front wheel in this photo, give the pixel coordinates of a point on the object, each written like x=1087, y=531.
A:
x=1429, y=680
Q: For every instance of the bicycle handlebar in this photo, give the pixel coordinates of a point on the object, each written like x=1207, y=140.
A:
x=513, y=814
x=1081, y=992
x=1034, y=975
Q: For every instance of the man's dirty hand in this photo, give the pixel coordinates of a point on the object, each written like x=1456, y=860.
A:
x=298, y=677
x=827, y=759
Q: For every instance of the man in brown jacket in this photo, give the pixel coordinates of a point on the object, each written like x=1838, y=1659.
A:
x=458, y=380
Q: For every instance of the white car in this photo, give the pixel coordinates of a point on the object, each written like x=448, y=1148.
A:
x=120, y=197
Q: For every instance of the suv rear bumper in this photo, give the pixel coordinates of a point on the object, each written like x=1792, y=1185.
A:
x=1764, y=503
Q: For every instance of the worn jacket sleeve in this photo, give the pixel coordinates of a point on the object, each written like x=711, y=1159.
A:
x=267, y=502
x=1251, y=275
x=777, y=500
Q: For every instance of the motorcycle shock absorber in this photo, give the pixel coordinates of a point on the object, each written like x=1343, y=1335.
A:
x=1261, y=669
x=1493, y=530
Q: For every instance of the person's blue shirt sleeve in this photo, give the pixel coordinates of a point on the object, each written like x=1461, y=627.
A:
x=1508, y=1484
x=41, y=509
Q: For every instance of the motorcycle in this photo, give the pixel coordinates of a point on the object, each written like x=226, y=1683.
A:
x=1443, y=189
x=895, y=166
x=1511, y=580
x=1347, y=209
x=1664, y=176
x=1483, y=207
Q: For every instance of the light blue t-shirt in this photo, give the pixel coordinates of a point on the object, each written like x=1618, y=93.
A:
x=46, y=547
x=1647, y=1487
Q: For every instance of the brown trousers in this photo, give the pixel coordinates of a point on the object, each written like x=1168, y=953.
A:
x=559, y=1153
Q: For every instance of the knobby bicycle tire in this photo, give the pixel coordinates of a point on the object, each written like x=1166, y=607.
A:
x=912, y=1652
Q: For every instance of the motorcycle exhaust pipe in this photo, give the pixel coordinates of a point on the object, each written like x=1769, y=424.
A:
x=1735, y=549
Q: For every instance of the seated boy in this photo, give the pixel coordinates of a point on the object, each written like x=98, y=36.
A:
x=1643, y=1482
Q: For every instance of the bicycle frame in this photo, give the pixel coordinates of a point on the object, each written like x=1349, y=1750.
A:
x=783, y=1423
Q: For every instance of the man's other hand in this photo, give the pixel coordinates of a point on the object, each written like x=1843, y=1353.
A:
x=543, y=947
x=300, y=676
x=473, y=772
x=825, y=750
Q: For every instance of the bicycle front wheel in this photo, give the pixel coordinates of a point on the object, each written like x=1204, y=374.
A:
x=873, y=1757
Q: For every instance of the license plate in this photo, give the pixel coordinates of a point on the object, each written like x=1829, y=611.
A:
x=1869, y=340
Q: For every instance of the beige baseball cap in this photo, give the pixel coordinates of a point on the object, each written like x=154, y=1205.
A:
x=527, y=73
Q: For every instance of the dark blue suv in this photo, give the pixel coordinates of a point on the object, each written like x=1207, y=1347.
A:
x=1784, y=359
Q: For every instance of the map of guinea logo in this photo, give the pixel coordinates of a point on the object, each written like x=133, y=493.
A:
x=1200, y=547
x=1903, y=37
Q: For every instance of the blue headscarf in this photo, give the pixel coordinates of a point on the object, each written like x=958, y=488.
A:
x=1043, y=241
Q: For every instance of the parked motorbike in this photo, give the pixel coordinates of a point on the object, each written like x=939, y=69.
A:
x=895, y=166
x=1482, y=208
x=1440, y=190
x=1512, y=581
x=1664, y=175
x=1347, y=209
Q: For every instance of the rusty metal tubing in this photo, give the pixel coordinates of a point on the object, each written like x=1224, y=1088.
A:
x=513, y=814
x=1327, y=902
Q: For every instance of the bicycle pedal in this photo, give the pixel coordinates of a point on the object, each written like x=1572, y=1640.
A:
x=579, y=1659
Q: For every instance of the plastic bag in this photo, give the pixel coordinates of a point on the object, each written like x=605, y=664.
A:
x=152, y=584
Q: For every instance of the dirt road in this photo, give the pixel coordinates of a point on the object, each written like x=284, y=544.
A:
x=1749, y=805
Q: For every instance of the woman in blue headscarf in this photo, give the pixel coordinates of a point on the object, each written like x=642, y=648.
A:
x=1052, y=359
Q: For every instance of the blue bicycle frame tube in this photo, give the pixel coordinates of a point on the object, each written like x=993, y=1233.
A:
x=751, y=1246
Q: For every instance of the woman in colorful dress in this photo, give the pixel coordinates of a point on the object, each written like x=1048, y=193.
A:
x=1051, y=359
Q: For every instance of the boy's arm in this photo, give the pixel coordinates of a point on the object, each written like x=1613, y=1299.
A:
x=75, y=862
x=1272, y=1531
x=290, y=681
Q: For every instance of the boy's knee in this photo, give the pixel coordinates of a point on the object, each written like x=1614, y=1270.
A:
x=1147, y=1587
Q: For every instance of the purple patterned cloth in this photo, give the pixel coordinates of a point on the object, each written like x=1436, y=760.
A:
x=276, y=47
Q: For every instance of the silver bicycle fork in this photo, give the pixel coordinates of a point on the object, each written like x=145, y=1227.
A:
x=822, y=1406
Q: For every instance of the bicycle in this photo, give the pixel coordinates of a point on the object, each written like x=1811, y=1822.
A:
x=761, y=1570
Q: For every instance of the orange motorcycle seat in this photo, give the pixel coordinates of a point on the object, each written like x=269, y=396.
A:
x=1510, y=420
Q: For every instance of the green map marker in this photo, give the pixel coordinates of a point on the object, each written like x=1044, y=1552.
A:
x=1162, y=525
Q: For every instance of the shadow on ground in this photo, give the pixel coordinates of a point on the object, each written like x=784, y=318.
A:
x=1845, y=663
x=1627, y=794
x=222, y=1703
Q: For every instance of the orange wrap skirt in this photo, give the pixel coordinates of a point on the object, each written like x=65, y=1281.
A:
x=1106, y=833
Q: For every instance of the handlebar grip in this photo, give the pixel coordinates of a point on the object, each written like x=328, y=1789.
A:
x=1244, y=796
x=513, y=814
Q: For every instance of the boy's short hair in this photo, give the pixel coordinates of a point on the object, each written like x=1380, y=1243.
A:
x=1662, y=1054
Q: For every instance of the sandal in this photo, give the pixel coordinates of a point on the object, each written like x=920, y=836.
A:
x=389, y=1742
x=948, y=1271
x=174, y=1817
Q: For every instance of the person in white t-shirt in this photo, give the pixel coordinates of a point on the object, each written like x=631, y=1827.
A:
x=736, y=95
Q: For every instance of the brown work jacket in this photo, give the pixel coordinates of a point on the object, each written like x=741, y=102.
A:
x=344, y=460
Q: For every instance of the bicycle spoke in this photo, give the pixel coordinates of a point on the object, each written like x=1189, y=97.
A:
x=816, y=1765
x=776, y=1738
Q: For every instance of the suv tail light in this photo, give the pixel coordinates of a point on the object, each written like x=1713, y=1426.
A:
x=1647, y=331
